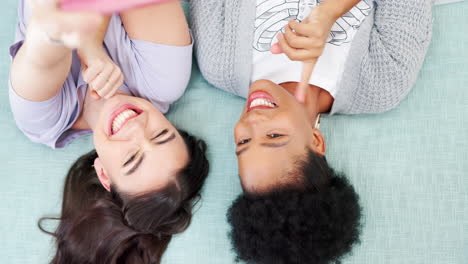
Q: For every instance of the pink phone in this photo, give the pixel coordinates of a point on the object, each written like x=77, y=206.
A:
x=105, y=6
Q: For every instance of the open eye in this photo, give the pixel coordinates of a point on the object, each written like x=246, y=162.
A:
x=274, y=135
x=243, y=141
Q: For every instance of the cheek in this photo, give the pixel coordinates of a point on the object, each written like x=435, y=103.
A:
x=295, y=118
x=108, y=152
x=252, y=162
x=237, y=128
x=111, y=163
x=304, y=128
x=244, y=168
x=99, y=140
x=257, y=175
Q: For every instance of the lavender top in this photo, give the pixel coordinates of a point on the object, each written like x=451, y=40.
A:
x=158, y=73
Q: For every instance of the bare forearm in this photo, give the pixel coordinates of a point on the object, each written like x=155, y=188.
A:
x=337, y=8
x=167, y=20
x=96, y=41
x=40, y=67
x=39, y=50
x=101, y=31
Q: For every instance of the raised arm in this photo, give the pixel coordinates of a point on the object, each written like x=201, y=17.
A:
x=41, y=64
x=101, y=73
x=154, y=50
x=305, y=41
x=160, y=23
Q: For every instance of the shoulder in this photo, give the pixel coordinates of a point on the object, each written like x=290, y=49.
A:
x=223, y=33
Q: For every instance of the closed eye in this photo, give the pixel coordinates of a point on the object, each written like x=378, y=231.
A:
x=132, y=158
x=162, y=133
x=168, y=139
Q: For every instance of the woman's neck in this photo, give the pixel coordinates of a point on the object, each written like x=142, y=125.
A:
x=89, y=112
x=317, y=101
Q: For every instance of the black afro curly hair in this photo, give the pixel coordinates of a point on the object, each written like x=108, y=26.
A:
x=314, y=221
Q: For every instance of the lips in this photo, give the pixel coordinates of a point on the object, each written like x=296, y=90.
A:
x=260, y=100
x=123, y=118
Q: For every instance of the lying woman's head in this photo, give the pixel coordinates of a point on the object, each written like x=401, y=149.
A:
x=314, y=218
x=119, y=224
x=295, y=208
x=139, y=150
x=272, y=132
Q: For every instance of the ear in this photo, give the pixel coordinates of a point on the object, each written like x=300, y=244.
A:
x=318, y=142
x=102, y=174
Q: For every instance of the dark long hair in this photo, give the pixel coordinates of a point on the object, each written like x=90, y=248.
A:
x=97, y=226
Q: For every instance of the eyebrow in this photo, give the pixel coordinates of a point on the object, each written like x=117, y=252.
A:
x=268, y=145
x=138, y=163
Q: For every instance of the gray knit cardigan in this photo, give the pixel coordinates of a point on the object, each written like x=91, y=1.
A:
x=383, y=63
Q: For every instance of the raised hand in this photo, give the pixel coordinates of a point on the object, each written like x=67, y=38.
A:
x=304, y=41
x=103, y=76
x=65, y=28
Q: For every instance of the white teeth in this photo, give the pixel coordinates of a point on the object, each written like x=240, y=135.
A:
x=261, y=101
x=120, y=119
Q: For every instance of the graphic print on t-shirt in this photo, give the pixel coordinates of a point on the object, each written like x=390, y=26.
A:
x=273, y=15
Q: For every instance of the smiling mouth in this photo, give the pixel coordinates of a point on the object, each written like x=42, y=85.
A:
x=261, y=100
x=121, y=116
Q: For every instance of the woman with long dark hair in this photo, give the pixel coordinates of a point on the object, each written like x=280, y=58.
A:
x=79, y=73
x=98, y=226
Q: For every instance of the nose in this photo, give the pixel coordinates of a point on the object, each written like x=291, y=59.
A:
x=255, y=117
x=134, y=130
x=138, y=133
x=248, y=124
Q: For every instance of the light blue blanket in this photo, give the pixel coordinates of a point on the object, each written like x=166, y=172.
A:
x=409, y=165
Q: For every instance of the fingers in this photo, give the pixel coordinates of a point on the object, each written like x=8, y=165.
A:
x=90, y=73
x=301, y=91
x=104, y=80
x=117, y=86
x=296, y=54
x=302, y=41
x=95, y=95
x=276, y=49
x=101, y=79
x=297, y=41
x=305, y=29
x=112, y=85
x=303, y=86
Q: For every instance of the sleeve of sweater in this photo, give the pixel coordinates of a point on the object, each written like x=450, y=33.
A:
x=207, y=26
x=384, y=64
x=223, y=34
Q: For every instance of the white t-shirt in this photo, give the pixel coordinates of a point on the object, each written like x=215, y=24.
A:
x=271, y=18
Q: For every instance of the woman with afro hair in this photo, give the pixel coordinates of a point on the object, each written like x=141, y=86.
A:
x=295, y=209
